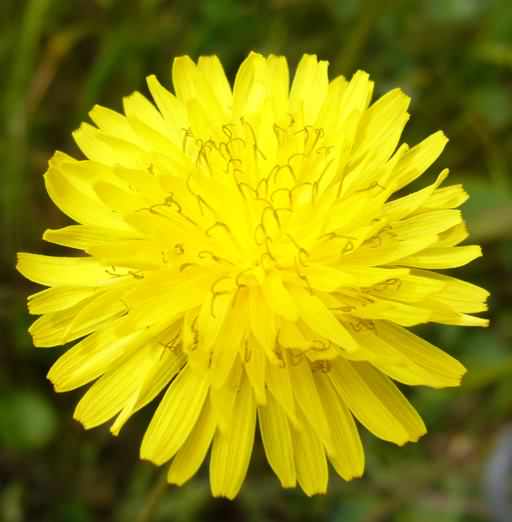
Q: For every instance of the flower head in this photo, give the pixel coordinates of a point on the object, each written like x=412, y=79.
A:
x=246, y=254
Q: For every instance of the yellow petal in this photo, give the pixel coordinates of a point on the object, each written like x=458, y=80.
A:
x=447, y=197
x=161, y=368
x=212, y=70
x=249, y=88
x=383, y=250
x=231, y=450
x=100, y=309
x=461, y=295
x=255, y=364
x=419, y=159
x=138, y=106
x=83, y=236
x=400, y=313
x=422, y=352
x=171, y=108
x=91, y=357
x=231, y=340
x=443, y=257
x=426, y=223
x=57, y=298
x=321, y=320
x=280, y=386
x=112, y=122
x=83, y=318
x=406, y=205
x=278, y=297
x=411, y=288
x=309, y=87
x=382, y=125
x=191, y=455
x=262, y=322
x=309, y=401
x=348, y=458
x=376, y=402
x=310, y=461
x=277, y=442
x=110, y=394
x=279, y=80
x=223, y=398
x=453, y=236
x=62, y=271
x=175, y=417
x=77, y=203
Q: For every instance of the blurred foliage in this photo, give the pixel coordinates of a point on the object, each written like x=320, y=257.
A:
x=58, y=58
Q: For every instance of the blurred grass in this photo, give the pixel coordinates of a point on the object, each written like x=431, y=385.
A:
x=58, y=58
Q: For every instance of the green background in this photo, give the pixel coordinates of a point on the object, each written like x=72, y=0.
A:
x=59, y=57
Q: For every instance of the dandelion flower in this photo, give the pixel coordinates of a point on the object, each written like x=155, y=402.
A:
x=246, y=254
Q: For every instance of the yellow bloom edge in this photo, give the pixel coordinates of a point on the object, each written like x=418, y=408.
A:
x=244, y=253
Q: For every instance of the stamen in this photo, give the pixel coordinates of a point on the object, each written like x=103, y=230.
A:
x=278, y=168
x=241, y=184
x=259, y=234
x=274, y=214
x=226, y=129
x=218, y=224
x=325, y=148
x=216, y=293
x=184, y=266
x=264, y=182
x=326, y=168
x=277, y=129
x=254, y=139
x=301, y=250
x=188, y=134
x=267, y=265
x=112, y=272
x=239, y=276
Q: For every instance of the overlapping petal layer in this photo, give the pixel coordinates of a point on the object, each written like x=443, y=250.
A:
x=246, y=251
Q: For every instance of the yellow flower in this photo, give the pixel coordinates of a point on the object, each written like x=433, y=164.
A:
x=247, y=254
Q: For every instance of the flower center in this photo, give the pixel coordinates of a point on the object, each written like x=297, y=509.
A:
x=258, y=193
